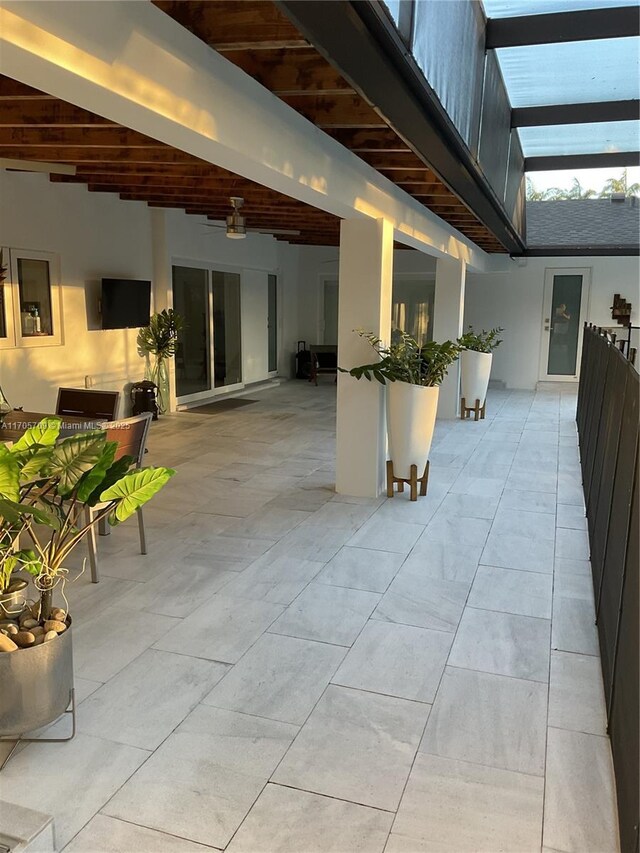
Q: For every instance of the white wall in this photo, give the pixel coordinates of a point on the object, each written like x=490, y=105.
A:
x=514, y=299
x=318, y=262
x=97, y=235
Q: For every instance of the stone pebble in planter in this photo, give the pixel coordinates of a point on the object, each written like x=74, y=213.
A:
x=26, y=631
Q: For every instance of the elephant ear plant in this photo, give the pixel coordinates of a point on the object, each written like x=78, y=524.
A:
x=46, y=486
x=404, y=360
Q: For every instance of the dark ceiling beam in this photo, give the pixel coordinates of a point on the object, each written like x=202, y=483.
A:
x=582, y=161
x=367, y=49
x=575, y=113
x=584, y=25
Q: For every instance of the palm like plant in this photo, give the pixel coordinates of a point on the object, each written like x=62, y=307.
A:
x=160, y=340
x=620, y=185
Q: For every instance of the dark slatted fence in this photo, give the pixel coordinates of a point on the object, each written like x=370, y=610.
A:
x=607, y=417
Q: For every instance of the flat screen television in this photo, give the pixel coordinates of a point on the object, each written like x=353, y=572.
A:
x=126, y=303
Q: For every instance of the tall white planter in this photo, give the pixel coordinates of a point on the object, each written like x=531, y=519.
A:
x=411, y=418
x=475, y=369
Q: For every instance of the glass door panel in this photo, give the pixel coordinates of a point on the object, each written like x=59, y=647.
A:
x=331, y=312
x=227, y=350
x=412, y=309
x=564, y=325
x=193, y=360
x=272, y=324
x=34, y=285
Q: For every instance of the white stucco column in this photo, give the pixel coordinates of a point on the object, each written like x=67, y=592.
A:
x=448, y=325
x=364, y=302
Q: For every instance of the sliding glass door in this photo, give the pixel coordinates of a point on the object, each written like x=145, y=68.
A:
x=193, y=359
x=209, y=352
x=227, y=353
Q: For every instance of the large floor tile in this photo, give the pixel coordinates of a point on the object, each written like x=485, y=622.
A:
x=342, y=516
x=397, y=660
x=453, y=529
x=503, y=644
x=511, y=591
x=329, y=614
x=468, y=506
x=573, y=627
x=104, y=834
x=221, y=629
x=285, y=820
x=361, y=568
x=455, y=807
x=469, y=484
x=576, y=695
x=531, y=525
x=529, y=481
x=572, y=544
x=580, y=805
x=513, y=551
x=205, y=777
x=444, y=561
x=356, y=746
x=569, y=515
x=278, y=580
x=528, y=501
x=267, y=523
x=92, y=770
x=146, y=700
x=398, y=537
x=169, y=595
x=414, y=598
x=280, y=677
x=563, y=566
x=112, y=638
x=489, y=719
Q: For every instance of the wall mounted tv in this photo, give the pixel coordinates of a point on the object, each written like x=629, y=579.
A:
x=126, y=303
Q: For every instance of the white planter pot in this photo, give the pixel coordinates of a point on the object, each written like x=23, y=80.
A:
x=411, y=418
x=475, y=369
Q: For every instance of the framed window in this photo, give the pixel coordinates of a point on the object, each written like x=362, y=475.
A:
x=7, y=333
x=32, y=315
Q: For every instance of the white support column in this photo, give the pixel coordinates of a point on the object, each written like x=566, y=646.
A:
x=447, y=325
x=364, y=302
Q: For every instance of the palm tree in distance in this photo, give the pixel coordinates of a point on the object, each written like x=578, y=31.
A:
x=577, y=191
x=620, y=185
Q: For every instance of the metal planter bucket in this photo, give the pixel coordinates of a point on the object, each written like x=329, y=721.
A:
x=36, y=685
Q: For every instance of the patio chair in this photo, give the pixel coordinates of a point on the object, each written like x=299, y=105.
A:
x=324, y=359
x=85, y=402
x=131, y=435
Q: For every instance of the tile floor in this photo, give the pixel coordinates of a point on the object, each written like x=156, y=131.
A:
x=292, y=671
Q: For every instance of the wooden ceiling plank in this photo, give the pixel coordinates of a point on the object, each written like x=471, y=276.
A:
x=27, y=112
x=229, y=25
x=291, y=72
x=333, y=111
x=92, y=137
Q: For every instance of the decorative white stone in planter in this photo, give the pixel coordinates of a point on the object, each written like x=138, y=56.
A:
x=411, y=418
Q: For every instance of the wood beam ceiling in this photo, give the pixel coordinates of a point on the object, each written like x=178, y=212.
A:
x=307, y=82
x=258, y=38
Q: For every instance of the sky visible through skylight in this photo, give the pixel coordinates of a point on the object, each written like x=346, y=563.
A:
x=591, y=179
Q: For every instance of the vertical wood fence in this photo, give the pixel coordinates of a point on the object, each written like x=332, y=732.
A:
x=607, y=418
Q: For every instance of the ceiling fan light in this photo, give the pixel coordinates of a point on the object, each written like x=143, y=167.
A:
x=236, y=228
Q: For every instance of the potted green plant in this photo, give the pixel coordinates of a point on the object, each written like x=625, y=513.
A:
x=412, y=375
x=475, y=367
x=157, y=343
x=46, y=486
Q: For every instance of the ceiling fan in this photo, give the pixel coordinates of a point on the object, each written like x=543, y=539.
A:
x=236, y=227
